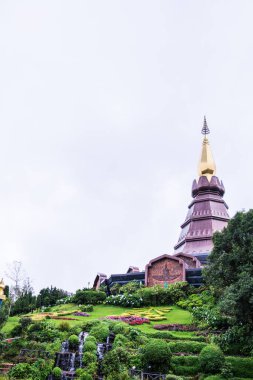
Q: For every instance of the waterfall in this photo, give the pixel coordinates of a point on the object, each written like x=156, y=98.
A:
x=72, y=362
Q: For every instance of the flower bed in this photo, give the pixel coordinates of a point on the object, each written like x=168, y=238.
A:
x=81, y=314
x=131, y=320
x=65, y=318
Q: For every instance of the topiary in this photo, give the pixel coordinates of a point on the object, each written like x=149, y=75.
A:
x=73, y=341
x=90, y=346
x=81, y=374
x=56, y=372
x=211, y=359
x=156, y=356
x=89, y=357
x=91, y=338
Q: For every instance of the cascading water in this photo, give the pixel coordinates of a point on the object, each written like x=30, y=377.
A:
x=72, y=362
x=68, y=360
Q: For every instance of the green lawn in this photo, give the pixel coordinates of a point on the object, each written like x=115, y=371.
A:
x=176, y=315
x=11, y=323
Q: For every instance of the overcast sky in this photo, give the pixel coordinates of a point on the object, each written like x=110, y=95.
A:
x=101, y=108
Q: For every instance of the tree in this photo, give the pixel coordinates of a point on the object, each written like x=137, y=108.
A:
x=16, y=274
x=230, y=274
x=230, y=268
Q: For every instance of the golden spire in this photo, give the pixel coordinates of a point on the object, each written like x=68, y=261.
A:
x=206, y=165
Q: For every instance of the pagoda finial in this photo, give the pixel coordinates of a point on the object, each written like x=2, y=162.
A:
x=206, y=165
x=205, y=130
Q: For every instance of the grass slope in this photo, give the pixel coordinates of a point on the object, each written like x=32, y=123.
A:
x=176, y=315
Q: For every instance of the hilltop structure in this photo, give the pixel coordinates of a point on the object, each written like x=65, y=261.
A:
x=207, y=213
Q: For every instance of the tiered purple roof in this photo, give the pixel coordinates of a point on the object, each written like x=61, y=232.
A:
x=207, y=214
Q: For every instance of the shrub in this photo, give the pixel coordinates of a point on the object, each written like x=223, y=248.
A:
x=120, y=328
x=20, y=371
x=88, y=325
x=57, y=372
x=173, y=377
x=241, y=367
x=89, y=357
x=91, y=338
x=187, y=346
x=82, y=374
x=64, y=326
x=157, y=355
x=90, y=346
x=125, y=300
x=100, y=332
x=73, y=341
x=185, y=365
x=93, y=297
x=120, y=341
x=86, y=308
x=211, y=359
x=186, y=370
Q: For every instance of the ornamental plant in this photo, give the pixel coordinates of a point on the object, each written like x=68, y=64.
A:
x=211, y=359
x=73, y=341
x=156, y=356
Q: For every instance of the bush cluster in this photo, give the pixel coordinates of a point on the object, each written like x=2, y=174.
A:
x=90, y=297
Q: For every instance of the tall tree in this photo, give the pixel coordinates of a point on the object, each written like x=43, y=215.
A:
x=16, y=274
x=230, y=269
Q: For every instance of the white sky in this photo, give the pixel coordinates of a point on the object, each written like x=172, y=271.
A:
x=101, y=107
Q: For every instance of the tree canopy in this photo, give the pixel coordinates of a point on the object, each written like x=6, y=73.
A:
x=230, y=269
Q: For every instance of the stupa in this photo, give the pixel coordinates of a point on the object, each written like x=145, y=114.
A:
x=207, y=212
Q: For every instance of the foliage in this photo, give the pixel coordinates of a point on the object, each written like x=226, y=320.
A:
x=64, y=326
x=89, y=357
x=37, y=371
x=124, y=300
x=93, y=297
x=25, y=303
x=157, y=295
x=82, y=374
x=44, y=331
x=230, y=273
x=211, y=359
x=100, y=332
x=57, y=372
x=91, y=338
x=191, y=347
x=88, y=308
x=120, y=341
x=156, y=356
x=50, y=296
x=73, y=341
x=130, y=288
x=4, y=312
x=90, y=346
x=115, y=362
x=241, y=367
x=197, y=300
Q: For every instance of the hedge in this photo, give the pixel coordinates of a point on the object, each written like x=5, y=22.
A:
x=185, y=360
x=187, y=346
x=170, y=336
x=185, y=370
x=241, y=367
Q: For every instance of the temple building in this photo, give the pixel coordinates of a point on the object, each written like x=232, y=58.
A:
x=207, y=213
